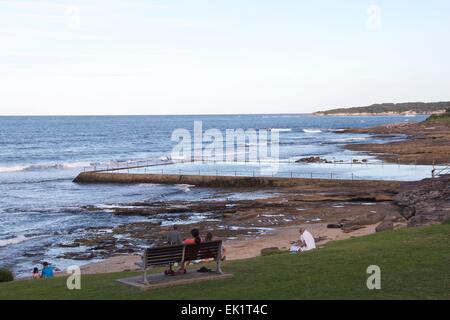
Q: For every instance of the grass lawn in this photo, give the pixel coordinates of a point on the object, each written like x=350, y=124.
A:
x=415, y=264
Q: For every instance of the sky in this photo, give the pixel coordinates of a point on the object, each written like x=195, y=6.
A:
x=95, y=57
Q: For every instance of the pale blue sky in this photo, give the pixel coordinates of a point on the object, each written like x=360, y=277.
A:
x=230, y=56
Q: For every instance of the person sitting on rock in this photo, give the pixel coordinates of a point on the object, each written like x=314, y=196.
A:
x=306, y=242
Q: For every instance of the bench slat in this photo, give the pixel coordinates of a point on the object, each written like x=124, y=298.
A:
x=167, y=249
x=162, y=253
x=175, y=256
x=162, y=261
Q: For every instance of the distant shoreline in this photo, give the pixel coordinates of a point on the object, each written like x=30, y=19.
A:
x=367, y=114
x=390, y=109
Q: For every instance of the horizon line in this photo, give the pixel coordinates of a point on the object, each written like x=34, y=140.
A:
x=162, y=115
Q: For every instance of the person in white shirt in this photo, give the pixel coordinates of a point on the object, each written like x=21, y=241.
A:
x=305, y=243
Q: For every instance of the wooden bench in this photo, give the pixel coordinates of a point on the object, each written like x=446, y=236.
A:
x=167, y=255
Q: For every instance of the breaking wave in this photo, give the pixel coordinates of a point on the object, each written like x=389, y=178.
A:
x=44, y=166
x=15, y=240
x=281, y=129
x=312, y=130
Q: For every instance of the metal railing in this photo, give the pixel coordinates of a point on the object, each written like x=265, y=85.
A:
x=150, y=163
x=126, y=165
x=251, y=173
x=441, y=172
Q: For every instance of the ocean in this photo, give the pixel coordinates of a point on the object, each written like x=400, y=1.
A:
x=41, y=208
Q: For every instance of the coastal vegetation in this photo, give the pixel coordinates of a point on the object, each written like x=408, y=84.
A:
x=440, y=118
x=6, y=275
x=413, y=261
x=392, y=108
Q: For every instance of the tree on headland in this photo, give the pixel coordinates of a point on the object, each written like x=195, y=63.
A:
x=441, y=118
x=400, y=108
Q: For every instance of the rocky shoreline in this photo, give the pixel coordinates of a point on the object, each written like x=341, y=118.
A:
x=427, y=143
x=348, y=209
x=232, y=219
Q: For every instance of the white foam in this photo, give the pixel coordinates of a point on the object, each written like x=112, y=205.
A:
x=12, y=169
x=15, y=240
x=349, y=139
x=312, y=130
x=273, y=215
x=44, y=166
x=115, y=206
x=281, y=129
x=184, y=187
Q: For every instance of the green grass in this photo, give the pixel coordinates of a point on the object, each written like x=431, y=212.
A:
x=414, y=265
x=440, y=118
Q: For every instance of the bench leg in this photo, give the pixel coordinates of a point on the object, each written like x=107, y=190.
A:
x=145, y=277
x=218, y=269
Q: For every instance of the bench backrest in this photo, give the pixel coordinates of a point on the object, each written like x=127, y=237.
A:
x=179, y=253
x=204, y=250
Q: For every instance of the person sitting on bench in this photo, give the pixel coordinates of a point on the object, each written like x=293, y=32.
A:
x=195, y=237
x=209, y=237
x=191, y=241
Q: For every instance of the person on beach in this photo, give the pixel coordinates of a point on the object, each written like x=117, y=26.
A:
x=174, y=236
x=48, y=271
x=306, y=242
x=36, y=274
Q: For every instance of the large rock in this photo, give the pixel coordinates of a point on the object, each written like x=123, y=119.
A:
x=425, y=202
x=385, y=225
x=407, y=212
x=334, y=226
x=311, y=160
x=269, y=251
x=351, y=228
x=371, y=218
